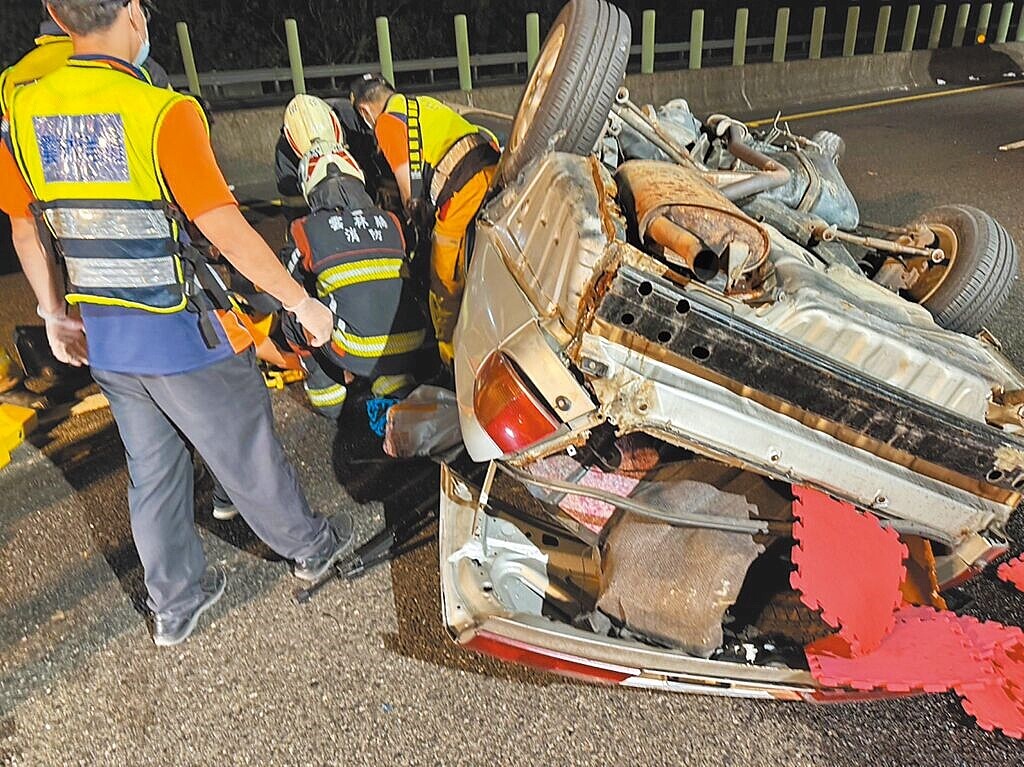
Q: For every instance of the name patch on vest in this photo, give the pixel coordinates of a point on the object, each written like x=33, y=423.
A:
x=82, y=148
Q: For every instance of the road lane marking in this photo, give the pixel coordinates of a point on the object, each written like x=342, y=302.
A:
x=882, y=103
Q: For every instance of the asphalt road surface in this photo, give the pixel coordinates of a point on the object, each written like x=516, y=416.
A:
x=366, y=674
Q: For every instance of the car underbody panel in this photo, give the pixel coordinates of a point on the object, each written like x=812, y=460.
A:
x=819, y=377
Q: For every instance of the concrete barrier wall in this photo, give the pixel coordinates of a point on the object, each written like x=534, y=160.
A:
x=244, y=140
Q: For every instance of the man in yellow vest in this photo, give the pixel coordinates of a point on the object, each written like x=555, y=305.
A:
x=99, y=170
x=444, y=166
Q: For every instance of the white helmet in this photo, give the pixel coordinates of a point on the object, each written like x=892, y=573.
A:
x=317, y=162
x=308, y=120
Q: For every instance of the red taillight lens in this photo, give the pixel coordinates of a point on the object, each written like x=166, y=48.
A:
x=576, y=668
x=509, y=412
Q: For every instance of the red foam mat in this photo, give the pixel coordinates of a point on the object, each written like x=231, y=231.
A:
x=997, y=702
x=848, y=566
x=927, y=651
x=1013, y=573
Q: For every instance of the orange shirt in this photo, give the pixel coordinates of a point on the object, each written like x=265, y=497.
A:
x=393, y=139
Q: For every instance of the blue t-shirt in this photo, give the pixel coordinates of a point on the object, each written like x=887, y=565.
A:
x=135, y=342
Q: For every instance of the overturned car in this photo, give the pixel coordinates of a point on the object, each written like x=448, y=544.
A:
x=661, y=337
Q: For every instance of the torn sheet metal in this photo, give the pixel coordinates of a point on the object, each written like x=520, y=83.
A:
x=833, y=539
x=1013, y=573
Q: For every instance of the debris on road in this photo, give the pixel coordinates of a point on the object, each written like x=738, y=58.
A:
x=1012, y=146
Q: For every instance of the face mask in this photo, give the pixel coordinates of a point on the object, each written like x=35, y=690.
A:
x=144, y=50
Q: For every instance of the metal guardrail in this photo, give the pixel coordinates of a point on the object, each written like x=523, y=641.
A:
x=470, y=69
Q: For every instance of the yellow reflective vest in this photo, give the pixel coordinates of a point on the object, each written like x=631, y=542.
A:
x=85, y=138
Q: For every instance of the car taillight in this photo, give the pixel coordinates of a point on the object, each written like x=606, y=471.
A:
x=509, y=412
x=555, y=663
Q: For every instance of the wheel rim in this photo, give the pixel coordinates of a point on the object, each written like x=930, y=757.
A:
x=933, y=276
x=538, y=87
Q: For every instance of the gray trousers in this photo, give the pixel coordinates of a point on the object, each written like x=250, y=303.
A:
x=224, y=411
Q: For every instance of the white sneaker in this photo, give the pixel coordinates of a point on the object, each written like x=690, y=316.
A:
x=225, y=513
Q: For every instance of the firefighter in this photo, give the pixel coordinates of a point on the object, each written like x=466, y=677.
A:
x=444, y=166
x=308, y=119
x=100, y=169
x=353, y=256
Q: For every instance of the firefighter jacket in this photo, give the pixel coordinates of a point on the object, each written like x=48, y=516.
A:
x=356, y=262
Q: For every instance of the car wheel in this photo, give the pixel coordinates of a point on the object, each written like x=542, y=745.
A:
x=567, y=102
x=982, y=263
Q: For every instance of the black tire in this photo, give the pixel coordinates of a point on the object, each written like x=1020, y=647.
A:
x=983, y=271
x=570, y=95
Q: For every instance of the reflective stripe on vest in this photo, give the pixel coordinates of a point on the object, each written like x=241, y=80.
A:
x=85, y=139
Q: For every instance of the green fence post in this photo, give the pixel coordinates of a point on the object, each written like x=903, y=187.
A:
x=462, y=50
x=291, y=33
x=910, y=28
x=984, y=19
x=938, y=22
x=1005, y=16
x=739, y=43
x=697, y=39
x=882, y=29
x=647, y=44
x=188, y=58
x=960, y=29
x=852, y=22
x=817, y=31
x=532, y=39
x=387, y=61
x=1020, y=28
x=781, y=35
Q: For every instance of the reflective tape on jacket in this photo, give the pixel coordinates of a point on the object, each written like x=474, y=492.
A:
x=85, y=138
x=357, y=273
x=379, y=346
x=120, y=273
x=332, y=396
x=357, y=261
x=107, y=223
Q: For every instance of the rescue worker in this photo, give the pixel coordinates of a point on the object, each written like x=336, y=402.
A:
x=444, y=166
x=309, y=119
x=352, y=255
x=108, y=166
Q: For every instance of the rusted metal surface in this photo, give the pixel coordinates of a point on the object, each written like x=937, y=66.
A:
x=653, y=190
x=827, y=233
x=821, y=393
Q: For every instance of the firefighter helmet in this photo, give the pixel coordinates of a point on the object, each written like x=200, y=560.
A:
x=309, y=120
x=317, y=163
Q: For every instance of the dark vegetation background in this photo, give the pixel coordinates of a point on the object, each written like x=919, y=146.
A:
x=247, y=34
